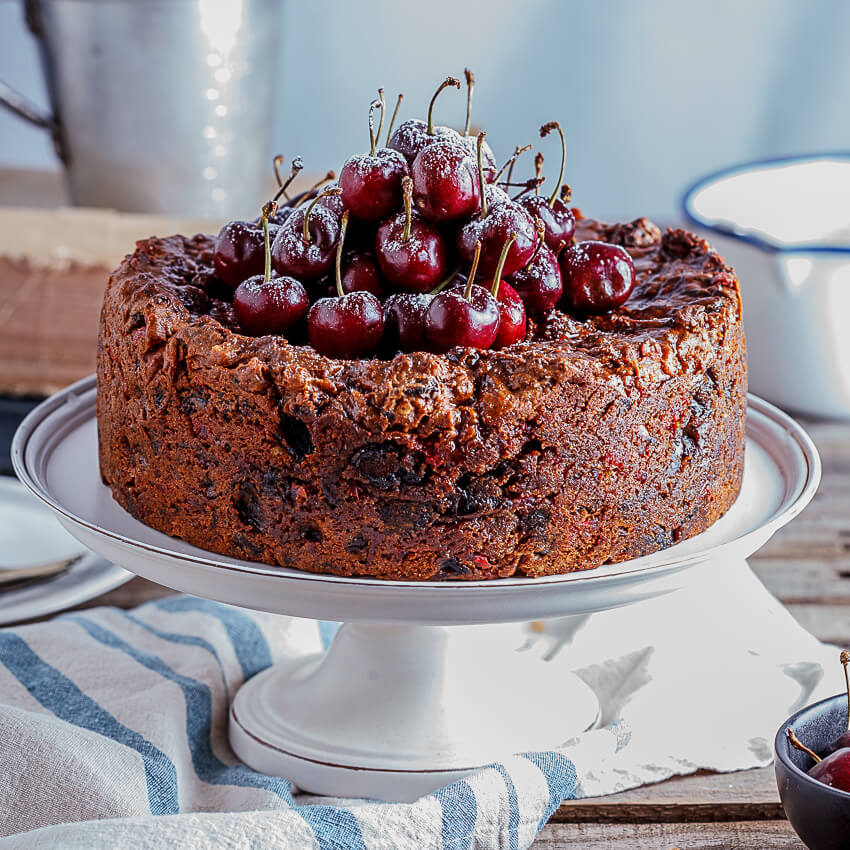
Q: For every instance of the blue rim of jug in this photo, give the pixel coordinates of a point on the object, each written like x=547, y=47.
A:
x=766, y=245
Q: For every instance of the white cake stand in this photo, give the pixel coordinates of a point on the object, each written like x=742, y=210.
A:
x=414, y=691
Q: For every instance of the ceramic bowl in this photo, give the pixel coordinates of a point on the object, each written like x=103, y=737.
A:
x=819, y=813
x=785, y=227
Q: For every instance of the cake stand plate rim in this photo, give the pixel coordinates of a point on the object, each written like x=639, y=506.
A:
x=77, y=403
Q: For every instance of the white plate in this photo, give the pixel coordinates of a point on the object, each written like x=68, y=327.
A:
x=30, y=535
x=55, y=454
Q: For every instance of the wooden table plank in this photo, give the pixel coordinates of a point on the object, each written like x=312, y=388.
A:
x=742, y=835
x=704, y=796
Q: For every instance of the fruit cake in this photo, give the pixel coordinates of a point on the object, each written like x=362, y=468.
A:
x=571, y=393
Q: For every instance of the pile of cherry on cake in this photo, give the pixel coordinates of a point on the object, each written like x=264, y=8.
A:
x=417, y=247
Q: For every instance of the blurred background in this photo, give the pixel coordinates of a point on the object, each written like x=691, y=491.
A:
x=651, y=93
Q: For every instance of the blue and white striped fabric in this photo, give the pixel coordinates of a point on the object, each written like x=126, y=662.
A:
x=113, y=730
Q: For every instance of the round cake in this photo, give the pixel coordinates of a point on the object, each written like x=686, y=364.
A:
x=593, y=440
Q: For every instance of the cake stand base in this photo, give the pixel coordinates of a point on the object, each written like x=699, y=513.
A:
x=392, y=712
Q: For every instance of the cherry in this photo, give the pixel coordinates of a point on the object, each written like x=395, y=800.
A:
x=349, y=325
x=414, y=135
x=238, y=252
x=843, y=740
x=539, y=282
x=305, y=243
x=557, y=217
x=468, y=317
x=445, y=181
x=597, y=277
x=269, y=305
x=371, y=183
x=411, y=252
x=361, y=274
x=404, y=320
x=470, y=142
x=512, y=319
x=493, y=224
x=833, y=770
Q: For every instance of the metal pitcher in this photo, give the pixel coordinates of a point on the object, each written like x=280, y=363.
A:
x=159, y=106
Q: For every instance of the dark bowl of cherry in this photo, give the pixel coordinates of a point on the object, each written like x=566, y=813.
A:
x=813, y=773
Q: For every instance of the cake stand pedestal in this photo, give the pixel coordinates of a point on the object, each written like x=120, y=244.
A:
x=422, y=684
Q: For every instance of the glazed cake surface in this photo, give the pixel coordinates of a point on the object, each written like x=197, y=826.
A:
x=594, y=441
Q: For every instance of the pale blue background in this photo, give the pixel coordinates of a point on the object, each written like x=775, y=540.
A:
x=652, y=93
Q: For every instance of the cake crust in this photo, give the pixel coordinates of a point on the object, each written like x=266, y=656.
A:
x=594, y=441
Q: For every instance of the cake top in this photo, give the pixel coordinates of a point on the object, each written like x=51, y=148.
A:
x=417, y=259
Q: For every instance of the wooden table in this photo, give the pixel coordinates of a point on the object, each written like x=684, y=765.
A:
x=807, y=565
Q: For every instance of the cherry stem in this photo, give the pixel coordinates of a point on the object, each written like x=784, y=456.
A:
x=306, y=195
x=473, y=270
x=383, y=101
x=530, y=184
x=509, y=163
x=407, y=197
x=497, y=277
x=343, y=226
x=325, y=194
x=269, y=210
x=480, y=148
x=445, y=282
x=845, y=661
x=392, y=120
x=294, y=169
x=470, y=85
x=544, y=131
x=561, y=245
x=449, y=81
x=541, y=233
x=538, y=171
x=375, y=104
x=276, y=164
x=798, y=744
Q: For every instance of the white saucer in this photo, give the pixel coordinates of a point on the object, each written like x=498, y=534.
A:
x=29, y=535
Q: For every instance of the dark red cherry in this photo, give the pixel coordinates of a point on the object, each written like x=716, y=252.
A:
x=404, y=320
x=349, y=325
x=238, y=252
x=539, y=282
x=269, y=305
x=462, y=317
x=371, y=183
x=305, y=243
x=500, y=221
x=492, y=226
x=512, y=317
x=445, y=182
x=414, y=135
x=597, y=277
x=346, y=326
x=834, y=770
x=411, y=252
x=360, y=274
x=455, y=319
x=557, y=218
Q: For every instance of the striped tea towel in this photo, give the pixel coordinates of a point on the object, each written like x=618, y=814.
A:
x=113, y=724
